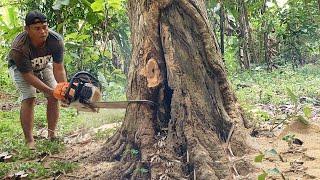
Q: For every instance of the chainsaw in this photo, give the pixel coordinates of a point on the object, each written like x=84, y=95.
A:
x=83, y=92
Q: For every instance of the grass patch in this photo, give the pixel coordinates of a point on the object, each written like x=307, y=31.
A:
x=104, y=134
x=62, y=167
x=259, y=86
x=12, y=139
x=256, y=87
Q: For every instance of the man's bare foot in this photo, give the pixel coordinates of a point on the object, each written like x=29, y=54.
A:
x=51, y=134
x=56, y=139
x=31, y=145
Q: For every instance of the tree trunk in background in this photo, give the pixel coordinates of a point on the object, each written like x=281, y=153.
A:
x=116, y=60
x=222, y=25
x=265, y=36
x=252, y=51
x=247, y=53
x=59, y=22
x=126, y=64
x=80, y=60
x=265, y=43
x=197, y=131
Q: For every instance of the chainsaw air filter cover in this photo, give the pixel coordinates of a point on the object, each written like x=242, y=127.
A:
x=83, y=87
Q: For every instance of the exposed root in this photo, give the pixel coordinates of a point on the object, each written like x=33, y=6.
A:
x=128, y=170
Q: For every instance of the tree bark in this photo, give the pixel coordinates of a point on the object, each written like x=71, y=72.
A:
x=197, y=130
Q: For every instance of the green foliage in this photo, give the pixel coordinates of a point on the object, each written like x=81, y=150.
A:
x=10, y=26
x=274, y=171
x=50, y=147
x=113, y=84
x=302, y=119
x=289, y=138
x=300, y=35
x=5, y=168
x=59, y=3
x=94, y=38
x=293, y=97
x=12, y=140
x=62, y=167
x=259, y=158
x=36, y=169
x=263, y=176
x=307, y=112
x=292, y=30
x=142, y=170
x=134, y=152
x=272, y=87
x=98, y=5
x=271, y=152
x=104, y=134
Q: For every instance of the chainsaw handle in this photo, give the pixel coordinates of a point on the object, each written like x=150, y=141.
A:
x=93, y=80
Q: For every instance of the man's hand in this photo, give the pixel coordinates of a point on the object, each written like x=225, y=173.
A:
x=60, y=91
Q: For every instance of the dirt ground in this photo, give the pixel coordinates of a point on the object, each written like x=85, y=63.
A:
x=294, y=161
x=80, y=146
x=291, y=161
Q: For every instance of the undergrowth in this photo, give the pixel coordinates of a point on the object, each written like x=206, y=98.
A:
x=23, y=159
x=259, y=87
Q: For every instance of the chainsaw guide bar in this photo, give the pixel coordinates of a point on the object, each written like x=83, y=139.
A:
x=121, y=104
x=94, y=107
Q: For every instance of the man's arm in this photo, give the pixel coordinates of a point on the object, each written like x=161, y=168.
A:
x=37, y=83
x=59, y=72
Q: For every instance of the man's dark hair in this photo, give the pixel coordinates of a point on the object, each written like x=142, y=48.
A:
x=34, y=17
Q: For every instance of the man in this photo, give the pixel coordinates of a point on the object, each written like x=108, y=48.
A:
x=36, y=62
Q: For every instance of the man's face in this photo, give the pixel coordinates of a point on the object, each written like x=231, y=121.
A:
x=38, y=32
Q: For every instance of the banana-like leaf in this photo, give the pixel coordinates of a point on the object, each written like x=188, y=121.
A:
x=292, y=96
x=98, y=6
x=259, y=158
x=307, y=112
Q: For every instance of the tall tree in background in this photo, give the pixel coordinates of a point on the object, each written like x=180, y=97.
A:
x=222, y=27
x=246, y=48
x=197, y=129
x=265, y=35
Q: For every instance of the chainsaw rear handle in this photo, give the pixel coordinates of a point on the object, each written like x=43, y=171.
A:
x=77, y=82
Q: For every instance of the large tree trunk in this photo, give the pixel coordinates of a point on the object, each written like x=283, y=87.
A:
x=197, y=131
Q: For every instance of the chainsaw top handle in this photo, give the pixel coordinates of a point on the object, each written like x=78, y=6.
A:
x=77, y=82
